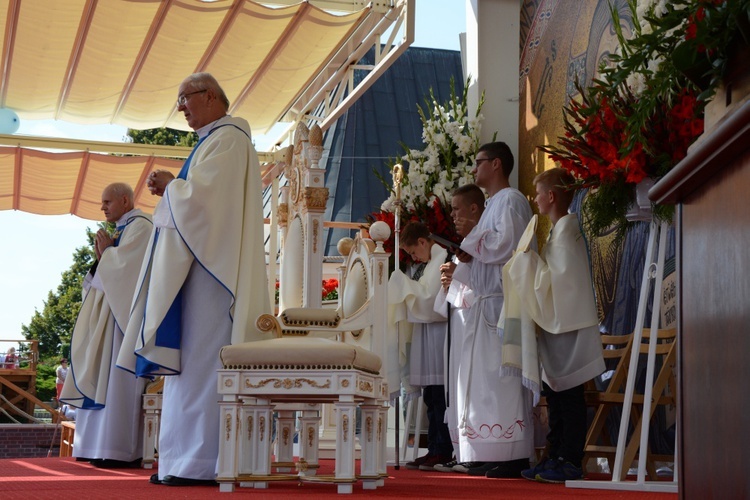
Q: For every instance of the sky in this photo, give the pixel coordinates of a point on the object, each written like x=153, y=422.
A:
x=37, y=249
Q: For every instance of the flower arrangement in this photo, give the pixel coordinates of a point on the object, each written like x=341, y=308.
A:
x=639, y=118
x=451, y=139
x=329, y=290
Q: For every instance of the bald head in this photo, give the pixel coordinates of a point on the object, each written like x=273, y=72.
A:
x=117, y=200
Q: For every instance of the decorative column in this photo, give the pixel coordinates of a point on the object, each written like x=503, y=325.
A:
x=227, y=466
x=309, y=424
x=307, y=203
x=346, y=417
x=313, y=200
x=284, y=441
x=368, y=441
x=492, y=34
x=151, y=416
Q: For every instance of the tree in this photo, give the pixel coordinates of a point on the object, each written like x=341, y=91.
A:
x=163, y=136
x=53, y=326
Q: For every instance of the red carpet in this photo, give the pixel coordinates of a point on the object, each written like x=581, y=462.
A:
x=23, y=479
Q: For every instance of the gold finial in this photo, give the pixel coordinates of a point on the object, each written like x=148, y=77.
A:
x=398, y=175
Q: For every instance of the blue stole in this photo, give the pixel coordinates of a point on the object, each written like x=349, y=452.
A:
x=118, y=233
x=169, y=332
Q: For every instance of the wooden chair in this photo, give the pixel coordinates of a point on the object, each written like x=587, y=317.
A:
x=619, y=348
x=298, y=367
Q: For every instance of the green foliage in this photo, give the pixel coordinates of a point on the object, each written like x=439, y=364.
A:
x=53, y=325
x=45, y=380
x=163, y=136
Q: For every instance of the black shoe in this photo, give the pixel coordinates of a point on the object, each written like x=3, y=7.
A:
x=186, y=481
x=482, y=469
x=414, y=465
x=107, y=463
x=509, y=470
x=463, y=467
x=154, y=479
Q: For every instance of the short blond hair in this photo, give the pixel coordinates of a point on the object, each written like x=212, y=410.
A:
x=559, y=181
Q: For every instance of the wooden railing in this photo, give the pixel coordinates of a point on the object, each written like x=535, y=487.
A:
x=26, y=355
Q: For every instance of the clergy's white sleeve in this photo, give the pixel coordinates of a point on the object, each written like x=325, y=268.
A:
x=162, y=216
x=495, y=242
x=418, y=297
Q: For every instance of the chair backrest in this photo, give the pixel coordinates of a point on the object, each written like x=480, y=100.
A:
x=301, y=221
x=616, y=350
x=292, y=269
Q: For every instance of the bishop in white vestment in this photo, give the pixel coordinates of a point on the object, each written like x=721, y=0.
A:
x=109, y=423
x=204, y=282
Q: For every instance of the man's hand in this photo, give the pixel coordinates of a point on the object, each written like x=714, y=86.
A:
x=446, y=274
x=463, y=256
x=157, y=181
x=102, y=241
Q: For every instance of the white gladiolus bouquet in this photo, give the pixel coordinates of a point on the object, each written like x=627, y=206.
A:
x=451, y=141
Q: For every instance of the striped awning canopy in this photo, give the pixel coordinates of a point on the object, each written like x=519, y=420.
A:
x=122, y=61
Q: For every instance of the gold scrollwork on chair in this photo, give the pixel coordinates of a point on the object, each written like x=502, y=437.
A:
x=294, y=185
x=268, y=323
x=287, y=383
x=283, y=214
x=316, y=227
x=315, y=199
x=249, y=427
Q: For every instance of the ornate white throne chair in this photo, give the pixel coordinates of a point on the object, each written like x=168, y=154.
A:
x=299, y=367
x=300, y=370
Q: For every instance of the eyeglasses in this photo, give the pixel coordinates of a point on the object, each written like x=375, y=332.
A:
x=182, y=100
x=480, y=160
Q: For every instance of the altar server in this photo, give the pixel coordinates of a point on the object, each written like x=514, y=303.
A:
x=495, y=419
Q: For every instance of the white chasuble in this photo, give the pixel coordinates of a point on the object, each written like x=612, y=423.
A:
x=104, y=311
x=109, y=398
x=214, y=217
x=202, y=287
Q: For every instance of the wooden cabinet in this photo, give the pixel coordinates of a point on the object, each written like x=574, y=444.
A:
x=711, y=189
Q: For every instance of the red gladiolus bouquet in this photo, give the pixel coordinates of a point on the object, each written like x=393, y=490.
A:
x=639, y=118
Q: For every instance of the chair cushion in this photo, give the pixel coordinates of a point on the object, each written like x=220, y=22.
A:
x=309, y=353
